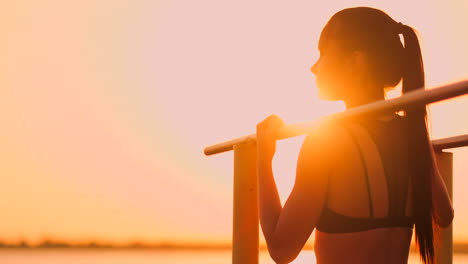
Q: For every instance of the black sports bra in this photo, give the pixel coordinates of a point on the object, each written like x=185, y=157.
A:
x=384, y=134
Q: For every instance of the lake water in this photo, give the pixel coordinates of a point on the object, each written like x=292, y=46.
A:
x=146, y=257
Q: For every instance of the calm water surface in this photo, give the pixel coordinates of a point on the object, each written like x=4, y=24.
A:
x=147, y=257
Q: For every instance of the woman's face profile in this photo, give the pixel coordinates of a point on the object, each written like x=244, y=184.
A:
x=331, y=72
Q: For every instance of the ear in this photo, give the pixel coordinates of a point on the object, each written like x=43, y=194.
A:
x=358, y=62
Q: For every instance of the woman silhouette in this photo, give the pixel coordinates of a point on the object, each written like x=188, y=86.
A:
x=363, y=183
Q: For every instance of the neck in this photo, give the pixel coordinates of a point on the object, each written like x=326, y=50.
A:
x=358, y=99
x=363, y=92
x=354, y=102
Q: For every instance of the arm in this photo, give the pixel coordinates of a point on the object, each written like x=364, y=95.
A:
x=287, y=229
x=442, y=206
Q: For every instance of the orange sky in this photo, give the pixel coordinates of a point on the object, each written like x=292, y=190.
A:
x=105, y=107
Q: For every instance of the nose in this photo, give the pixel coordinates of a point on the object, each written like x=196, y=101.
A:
x=314, y=67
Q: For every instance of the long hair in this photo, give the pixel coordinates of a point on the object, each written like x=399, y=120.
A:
x=421, y=162
x=374, y=32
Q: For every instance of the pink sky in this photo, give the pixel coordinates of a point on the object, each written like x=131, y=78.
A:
x=106, y=106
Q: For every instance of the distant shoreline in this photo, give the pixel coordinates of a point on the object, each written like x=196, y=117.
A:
x=458, y=248
x=108, y=246
x=57, y=244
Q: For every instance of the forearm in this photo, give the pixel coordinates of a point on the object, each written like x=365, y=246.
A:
x=269, y=201
x=441, y=201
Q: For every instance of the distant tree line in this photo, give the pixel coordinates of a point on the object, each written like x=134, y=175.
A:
x=458, y=247
x=57, y=244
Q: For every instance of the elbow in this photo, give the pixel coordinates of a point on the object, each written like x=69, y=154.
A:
x=281, y=258
x=446, y=219
x=282, y=254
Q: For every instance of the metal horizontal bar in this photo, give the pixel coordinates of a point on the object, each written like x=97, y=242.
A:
x=414, y=98
x=450, y=142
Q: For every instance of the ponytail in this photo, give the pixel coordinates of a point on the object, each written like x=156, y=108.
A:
x=420, y=160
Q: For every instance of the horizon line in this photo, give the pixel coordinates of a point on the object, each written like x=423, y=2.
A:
x=458, y=247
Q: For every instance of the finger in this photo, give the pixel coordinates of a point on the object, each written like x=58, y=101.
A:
x=271, y=124
x=276, y=120
x=267, y=122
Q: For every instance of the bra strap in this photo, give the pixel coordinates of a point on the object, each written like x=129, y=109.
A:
x=363, y=162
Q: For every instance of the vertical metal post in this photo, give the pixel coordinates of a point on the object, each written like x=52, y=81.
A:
x=245, y=237
x=444, y=252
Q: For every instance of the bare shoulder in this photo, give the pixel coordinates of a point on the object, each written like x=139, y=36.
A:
x=323, y=148
x=327, y=141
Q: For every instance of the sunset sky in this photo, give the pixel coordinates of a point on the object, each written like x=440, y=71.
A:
x=106, y=106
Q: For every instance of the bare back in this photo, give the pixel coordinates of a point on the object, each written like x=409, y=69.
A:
x=359, y=188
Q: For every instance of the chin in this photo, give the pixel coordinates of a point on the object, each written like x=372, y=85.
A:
x=327, y=97
x=327, y=92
